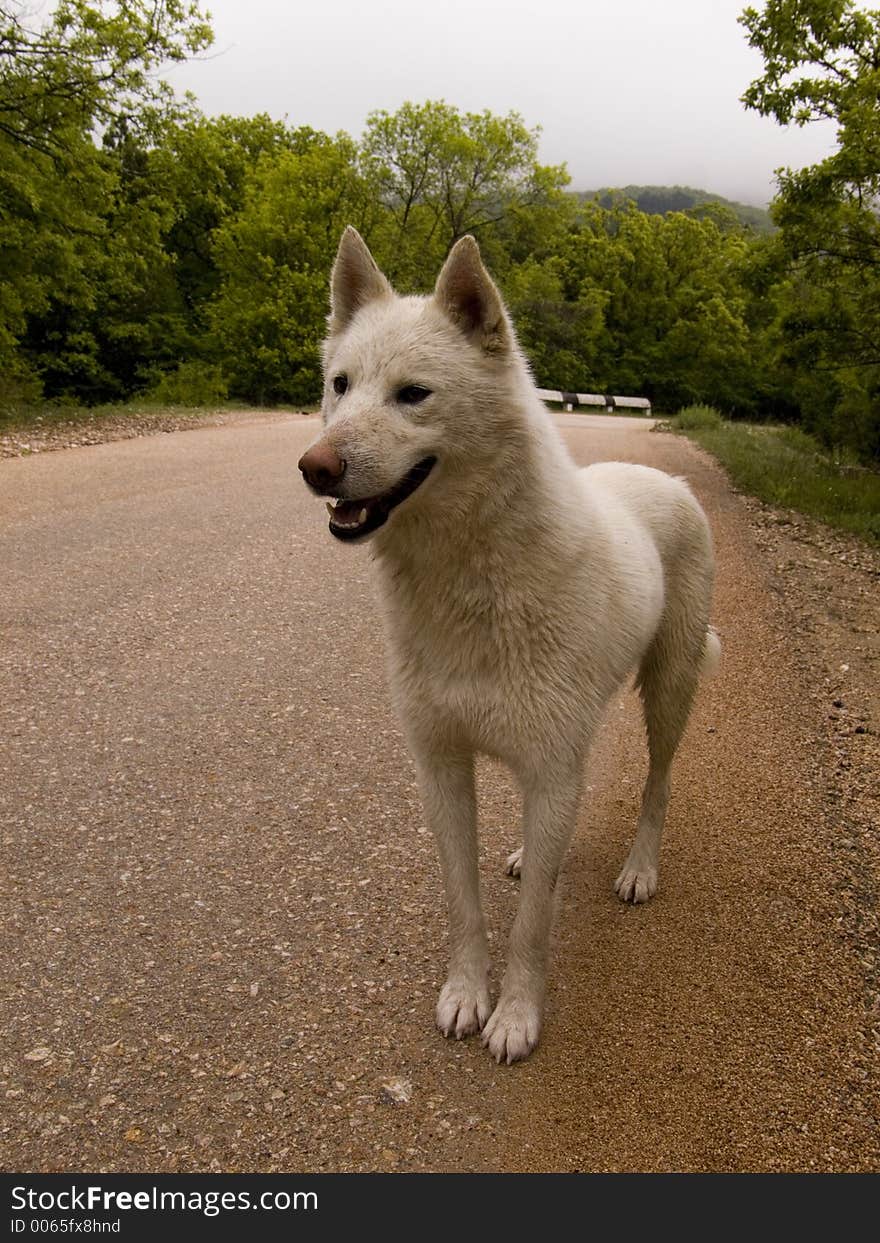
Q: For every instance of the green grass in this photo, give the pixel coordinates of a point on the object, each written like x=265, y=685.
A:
x=785, y=467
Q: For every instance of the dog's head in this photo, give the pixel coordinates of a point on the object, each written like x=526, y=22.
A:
x=414, y=389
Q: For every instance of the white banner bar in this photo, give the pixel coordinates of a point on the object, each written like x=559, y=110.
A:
x=609, y=401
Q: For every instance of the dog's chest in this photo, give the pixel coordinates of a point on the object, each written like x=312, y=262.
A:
x=494, y=667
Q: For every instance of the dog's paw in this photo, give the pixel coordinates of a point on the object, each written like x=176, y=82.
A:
x=462, y=1007
x=636, y=884
x=513, y=1030
x=514, y=863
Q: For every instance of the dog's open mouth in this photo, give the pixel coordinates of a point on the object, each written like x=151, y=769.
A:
x=351, y=519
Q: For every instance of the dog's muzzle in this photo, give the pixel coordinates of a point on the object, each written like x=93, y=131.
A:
x=351, y=519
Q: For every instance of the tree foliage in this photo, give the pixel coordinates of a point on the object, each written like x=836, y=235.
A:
x=149, y=249
x=273, y=257
x=438, y=174
x=89, y=65
x=77, y=246
x=822, y=63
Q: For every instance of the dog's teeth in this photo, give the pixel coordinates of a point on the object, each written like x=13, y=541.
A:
x=329, y=509
x=362, y=517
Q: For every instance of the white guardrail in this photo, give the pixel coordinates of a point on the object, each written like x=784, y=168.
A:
x=570, y=401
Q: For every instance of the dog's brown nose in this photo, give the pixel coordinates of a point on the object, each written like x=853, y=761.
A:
x=322, y=467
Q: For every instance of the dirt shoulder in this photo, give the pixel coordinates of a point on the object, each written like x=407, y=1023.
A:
x=52, y=432
x=731, y=1024
x=828, y=585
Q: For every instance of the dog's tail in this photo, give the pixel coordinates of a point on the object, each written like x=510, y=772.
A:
x=711, y=657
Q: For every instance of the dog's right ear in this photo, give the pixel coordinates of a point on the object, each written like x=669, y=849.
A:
x=355, y=280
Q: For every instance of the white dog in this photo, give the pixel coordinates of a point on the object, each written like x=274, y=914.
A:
x=519, y=592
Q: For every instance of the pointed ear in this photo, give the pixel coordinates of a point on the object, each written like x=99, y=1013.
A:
x=467, y=294
x=355, y=280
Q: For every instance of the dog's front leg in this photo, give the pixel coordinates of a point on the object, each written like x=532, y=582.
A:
x=447, y=786
x=549, y=814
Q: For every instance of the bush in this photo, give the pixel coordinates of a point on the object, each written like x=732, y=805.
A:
x=192, y=384
x=693, y=418
x=19, y=388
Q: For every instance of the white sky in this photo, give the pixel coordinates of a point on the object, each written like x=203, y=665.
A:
x=626, y=91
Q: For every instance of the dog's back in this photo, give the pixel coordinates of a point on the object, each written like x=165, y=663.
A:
x=664, y=506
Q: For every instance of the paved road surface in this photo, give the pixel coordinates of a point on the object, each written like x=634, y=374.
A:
x=222, y=924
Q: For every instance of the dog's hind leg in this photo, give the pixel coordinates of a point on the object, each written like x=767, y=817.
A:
x=548, y=822
x=447, y=787
x=667, y=681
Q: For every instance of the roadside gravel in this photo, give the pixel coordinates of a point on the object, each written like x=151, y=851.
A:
x=48, y=433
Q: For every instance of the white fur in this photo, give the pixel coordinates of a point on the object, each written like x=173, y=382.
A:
x=518, y=592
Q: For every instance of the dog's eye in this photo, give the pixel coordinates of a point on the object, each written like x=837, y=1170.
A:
x=412, y=394
x=340, y=383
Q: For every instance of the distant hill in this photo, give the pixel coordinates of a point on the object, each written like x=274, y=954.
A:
x=657, y=200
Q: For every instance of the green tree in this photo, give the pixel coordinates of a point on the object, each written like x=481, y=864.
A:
x=673, y=314
x=268, y=316
x=204, y=165
x=557, y=328
x=822, y=63
x=99, y=341
x=89, y=65
x=439, y=173
x=88, y=68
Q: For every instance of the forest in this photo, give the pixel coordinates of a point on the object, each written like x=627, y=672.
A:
x=150, y=250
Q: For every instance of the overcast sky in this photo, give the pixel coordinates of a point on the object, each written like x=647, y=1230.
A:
x=626, y=91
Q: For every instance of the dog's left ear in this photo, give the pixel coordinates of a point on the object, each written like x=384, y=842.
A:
x=468, y=295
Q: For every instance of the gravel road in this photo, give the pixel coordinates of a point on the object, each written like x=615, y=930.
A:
x=223, y=928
